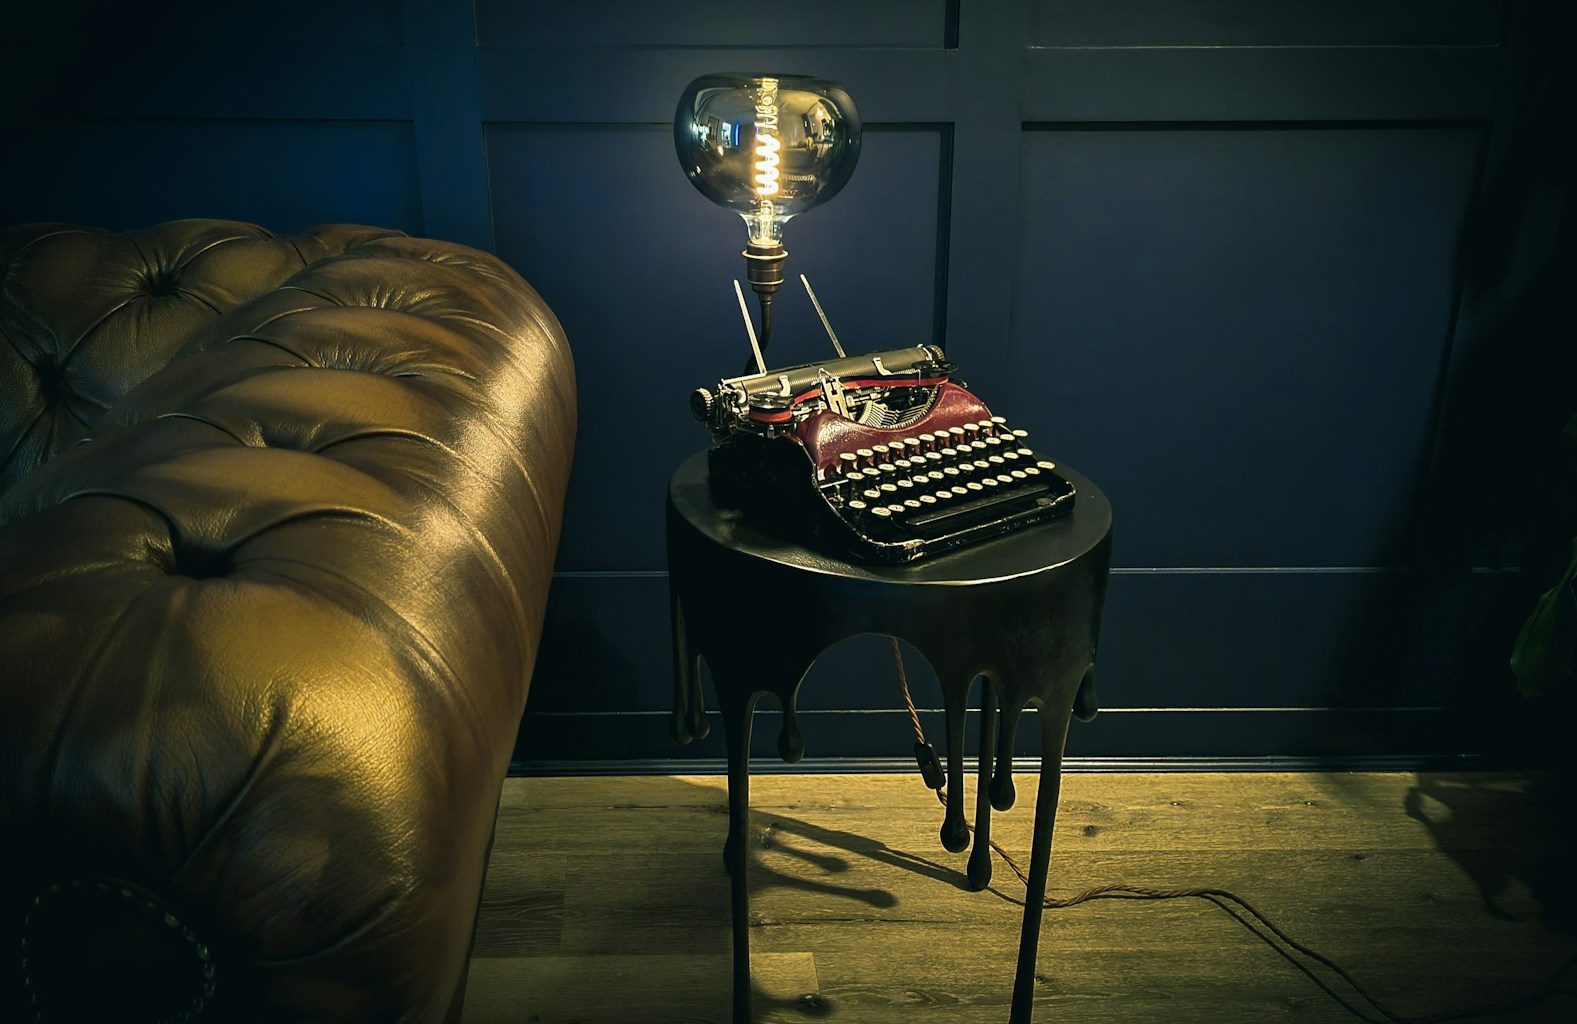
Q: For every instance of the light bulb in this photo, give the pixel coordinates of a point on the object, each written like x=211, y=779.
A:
x=768, y=147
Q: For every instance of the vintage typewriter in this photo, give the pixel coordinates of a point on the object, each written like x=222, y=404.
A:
x=884, y=457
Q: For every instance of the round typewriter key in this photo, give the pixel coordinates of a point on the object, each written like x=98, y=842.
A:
x=1019, y=474
x=1021, y=434
x=935, y=474
x=928, y=439
x=1010, y=456
x=1003, y=478
x=928, y=499
x=995, y=460
x=972, y=429
x=980, y=464
x=895, y=508
x=905, y=482
x=879, y=449
x=1030, y=471
x=957, y=432
x=872, y=493
x=933, y=456
x=887, y=467
x=1043, y=464
x=944, y=495
x=998, y=420
x=857, y=505
x=1026, y=453
x=881, y=511
x=949, y=453
x=962, y=491
x=912, y=443
x=864, y=453
x=910, y=503
x=889, y=488
x=950, y=471
x=847, y=456
x=903, y=463
x=854, y=478
x=989, y=481
x=993, y=441
x=870, y=472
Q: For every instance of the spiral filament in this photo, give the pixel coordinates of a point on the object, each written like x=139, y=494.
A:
x=767, y=143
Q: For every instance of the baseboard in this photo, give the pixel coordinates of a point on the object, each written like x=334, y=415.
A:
x=899, y=765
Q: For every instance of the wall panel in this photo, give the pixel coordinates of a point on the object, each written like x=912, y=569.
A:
x=1289, y=295
x=1218, y=23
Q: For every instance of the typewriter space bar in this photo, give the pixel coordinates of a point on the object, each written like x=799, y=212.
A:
x=973, y=509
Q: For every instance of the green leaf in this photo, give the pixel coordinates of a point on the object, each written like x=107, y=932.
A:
x=1545, y=655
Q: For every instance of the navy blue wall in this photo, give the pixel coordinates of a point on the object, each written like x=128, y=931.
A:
x=1213, y=254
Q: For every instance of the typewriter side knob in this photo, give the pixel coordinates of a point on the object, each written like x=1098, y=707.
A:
x=701, y=404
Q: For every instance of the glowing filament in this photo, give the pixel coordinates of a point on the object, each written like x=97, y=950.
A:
x=767, y=144
x=767, y=147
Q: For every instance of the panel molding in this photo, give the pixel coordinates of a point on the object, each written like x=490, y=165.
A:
x=451, y=155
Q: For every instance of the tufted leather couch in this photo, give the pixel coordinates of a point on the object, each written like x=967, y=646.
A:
x=277, y=521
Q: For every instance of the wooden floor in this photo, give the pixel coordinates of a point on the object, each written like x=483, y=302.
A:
x=607, y=903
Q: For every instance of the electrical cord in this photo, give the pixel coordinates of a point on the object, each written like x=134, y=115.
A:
x=1300, y=955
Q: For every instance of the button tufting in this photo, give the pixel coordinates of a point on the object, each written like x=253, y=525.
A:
x=160, y=282
x=51, y=379
x=198, y=564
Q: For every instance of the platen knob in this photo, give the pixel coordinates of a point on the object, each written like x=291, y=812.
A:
x=701, y=404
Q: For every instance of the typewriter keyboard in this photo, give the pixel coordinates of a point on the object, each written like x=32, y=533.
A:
x=951, y=482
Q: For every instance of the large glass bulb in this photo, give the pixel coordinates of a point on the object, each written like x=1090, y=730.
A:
x=767, y=146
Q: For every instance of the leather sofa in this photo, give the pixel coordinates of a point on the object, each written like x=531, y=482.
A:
x=277, y=522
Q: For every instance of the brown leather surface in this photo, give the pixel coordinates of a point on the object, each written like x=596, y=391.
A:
x=825, y=434
x=277, y=522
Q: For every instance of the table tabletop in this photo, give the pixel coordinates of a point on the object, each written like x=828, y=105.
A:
x=1023, y=552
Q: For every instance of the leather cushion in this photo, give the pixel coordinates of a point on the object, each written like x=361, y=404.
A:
x=268, y=627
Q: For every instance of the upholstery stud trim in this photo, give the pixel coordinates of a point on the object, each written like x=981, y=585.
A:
x=133, y=898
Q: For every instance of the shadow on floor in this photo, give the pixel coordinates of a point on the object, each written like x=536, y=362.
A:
x=1503, y=835
x=766, y=826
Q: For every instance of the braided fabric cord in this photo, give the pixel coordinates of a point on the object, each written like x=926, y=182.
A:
x=1366, y=1007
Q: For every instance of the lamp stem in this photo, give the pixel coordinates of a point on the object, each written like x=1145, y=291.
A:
x=765, y=299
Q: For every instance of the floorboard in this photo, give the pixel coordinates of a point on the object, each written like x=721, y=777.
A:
x=606, y=900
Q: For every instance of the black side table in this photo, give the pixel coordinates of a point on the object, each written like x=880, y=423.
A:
x=1023, y=611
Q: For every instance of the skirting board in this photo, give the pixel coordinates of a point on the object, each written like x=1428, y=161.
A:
x=895, y=765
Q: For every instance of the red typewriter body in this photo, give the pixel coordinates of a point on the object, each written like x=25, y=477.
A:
x=882, y=457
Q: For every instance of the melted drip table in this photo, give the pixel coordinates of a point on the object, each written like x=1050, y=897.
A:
x=1021, y=612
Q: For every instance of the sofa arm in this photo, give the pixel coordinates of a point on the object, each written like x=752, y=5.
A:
x=268, y=635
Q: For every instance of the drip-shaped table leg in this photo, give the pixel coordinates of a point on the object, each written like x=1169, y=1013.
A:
x=955, y=834
x=737, y=718
x=1002, y=792
x=1053, y=735
x=980, y=856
